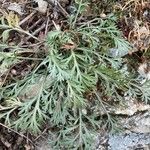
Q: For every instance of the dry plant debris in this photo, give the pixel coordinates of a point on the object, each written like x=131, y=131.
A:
x=66, y=66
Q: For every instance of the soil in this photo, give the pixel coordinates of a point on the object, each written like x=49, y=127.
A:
x=136, y=134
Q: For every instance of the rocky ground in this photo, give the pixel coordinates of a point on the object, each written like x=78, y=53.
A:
x=35, y=16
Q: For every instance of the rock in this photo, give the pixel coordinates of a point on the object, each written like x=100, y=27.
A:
x=130, y=141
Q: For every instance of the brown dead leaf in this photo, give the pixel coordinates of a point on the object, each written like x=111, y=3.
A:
x=68, y=46
x=140, y=36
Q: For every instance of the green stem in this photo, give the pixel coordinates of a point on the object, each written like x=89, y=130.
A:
x=78, y=11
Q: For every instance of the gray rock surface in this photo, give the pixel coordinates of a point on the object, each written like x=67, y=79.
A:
x=132, y=141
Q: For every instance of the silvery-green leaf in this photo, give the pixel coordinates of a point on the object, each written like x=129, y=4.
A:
x=5, y=35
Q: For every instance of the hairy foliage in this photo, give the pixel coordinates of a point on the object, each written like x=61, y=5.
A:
x=68, y=84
